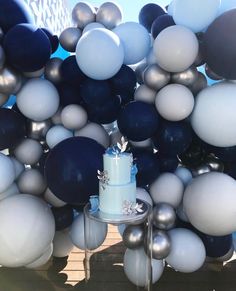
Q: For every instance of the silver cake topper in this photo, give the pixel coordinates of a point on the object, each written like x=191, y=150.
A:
x=130, y=208
x=103, y=177
x=120, y=147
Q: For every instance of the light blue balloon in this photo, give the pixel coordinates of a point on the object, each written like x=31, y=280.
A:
x=195, y=14
x=226, y=5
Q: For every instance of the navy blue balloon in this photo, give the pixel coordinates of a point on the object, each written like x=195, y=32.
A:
x=71, y=169
x=95, y=93
x=12, y=128
x=27, y=47
x=161, y=23
x=54, y=40
x=63, y=216
x=148, y=166
x=168, y=164
x=173, y=138
x=149, y=13
x=71, y=72
x=14, y=12
x=68, y=95
x=138, y=121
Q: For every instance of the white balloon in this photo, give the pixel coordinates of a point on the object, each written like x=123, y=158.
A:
x=176, y=48
x=91, y=26
x=31, y=181
x=210, y=203
x=42, y=260
x=29, y=151
x=11, y=191
x=50, y=198
x=7, y=172
x=174, y=102
x=62, y=244
x=213, y=118
x=136, y=267
x=167, y=188
x=170, y=8
x=74, y=117
x=95, y=234
x=96, y=132
x=100, y=54
x=38, y=99
x=27, y=228
x=145, y=94
x=195, y=14
x=56, y=134
x=187, y=253
x=19, y=167
x=184, y=174
x=144, y=195
x=136, y=41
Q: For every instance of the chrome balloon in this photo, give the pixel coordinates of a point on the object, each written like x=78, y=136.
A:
x=10, y=81
x=163, y=216
x=38, y=130
x=214, y=163
x=109, y=14
x=133, y=236
x=212, y=75
x=3, y=98
x=186, y=78
x=155, y=77
x=35, y=74
x=83, y=14
x=139, y=71
x=69, y=38
x=199, y=84
x=200, y=170
x=2, y=57
x=52, y=70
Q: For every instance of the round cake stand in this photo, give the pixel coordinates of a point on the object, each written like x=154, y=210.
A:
x=135, y=218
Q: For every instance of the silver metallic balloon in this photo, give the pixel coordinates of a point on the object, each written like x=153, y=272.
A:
x=3, y=98
x=38, y=130
x=52, y=70
x=83, y=13
x=2, y=57
x=35, y=74
x=163, y=216
x=145, y=94
x=200, y=170
x=160, y=245
x=69, y=38
x=133, y=236
x=109, y=14
x=139, y=71
x=212, y=75
x=10, y=81
x=155, y=77
x=186, y=78
x=199, y=84
x=214, y=163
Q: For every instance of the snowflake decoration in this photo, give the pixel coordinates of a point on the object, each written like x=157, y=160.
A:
x=103, y=177
x=130, y=208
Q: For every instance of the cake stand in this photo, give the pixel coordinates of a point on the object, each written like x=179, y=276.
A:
x=136, y=218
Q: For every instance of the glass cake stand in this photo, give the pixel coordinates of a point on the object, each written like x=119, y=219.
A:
x=137, y=218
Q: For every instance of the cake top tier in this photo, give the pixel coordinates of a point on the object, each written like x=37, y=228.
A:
x=117, y=149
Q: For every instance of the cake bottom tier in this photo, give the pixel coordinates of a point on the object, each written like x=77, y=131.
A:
x=113, y=197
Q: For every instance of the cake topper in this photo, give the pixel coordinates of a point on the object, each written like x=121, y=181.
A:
x=118, y=148
x=130, y=208
x=103, y=177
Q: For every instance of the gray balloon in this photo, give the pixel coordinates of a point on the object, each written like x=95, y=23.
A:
x=83, y=14
x=139, y=71
x=10, y=81
x=69, y=38
x=38, y=130
x=214, y=163
x=2, y=57
x=145, y=94
x=163, y=216
x=199, y=84
x=3, y=98
x=186, y=78
x=155, y=77
x=133, y=236
x=160, y=246
x=212, y=75
x=109, y=14
x=200, y=170
x=52, y=70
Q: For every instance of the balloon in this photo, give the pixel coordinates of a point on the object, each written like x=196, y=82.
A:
x=68, y=95
x=45, y=257
x=7, y=172
x=168, y=163
x=200, y=170
x=212, y=75
x=3, y=99
x=14, y=12
x=38, y=99
x=226, y=5
x=220, y=46
x=136, y=267
x=10, y=191
x=135, y=40
x=22, y=43
x=174, y=102
x=212, y=195
x=18, y=167
x=214, y=163
x=109, y=14
x=38, y=130
x=147, y=143
x=176, y=48
x=53, y=70
x=12, y=128
x=139, y=71
x=133, y=236
x=100, y=54
x=31, y=181
x=35, y=74
x=33, y=225
x=70, y=176
x=186, y=78
x=187, y=253
x=195, y=15
x=56, y=134
x=160, y=23
x=226, y=154
x=54, y=41
x=199, y=84
x=10, y=81
x=145, y=94
x=69, y=38
x=173, y=138
x=92, y=25
x=62, y=244
x=205, y=118
x=163, y=216
x=74, y=117
x=95, y=233
x=149, y=13
x=184, y=174
x=83, y=13
x=138, y=121
x=156, y=78
x=143, y=195
x=50, y=198
x=63, y=216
